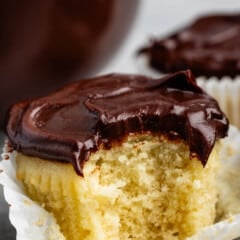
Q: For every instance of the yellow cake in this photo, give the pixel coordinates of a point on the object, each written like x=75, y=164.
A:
x=149, y=182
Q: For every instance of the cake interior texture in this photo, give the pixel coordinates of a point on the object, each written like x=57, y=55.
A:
x=147, y=187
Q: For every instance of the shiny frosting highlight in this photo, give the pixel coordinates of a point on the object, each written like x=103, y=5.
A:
x=75, y=121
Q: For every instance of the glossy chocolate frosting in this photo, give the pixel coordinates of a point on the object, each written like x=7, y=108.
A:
x=209, y=47
x=73, y=122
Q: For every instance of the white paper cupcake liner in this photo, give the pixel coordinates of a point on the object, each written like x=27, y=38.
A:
x=33, y=222
x=225, y=90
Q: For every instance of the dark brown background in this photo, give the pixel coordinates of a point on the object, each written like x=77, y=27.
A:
x=44, y=44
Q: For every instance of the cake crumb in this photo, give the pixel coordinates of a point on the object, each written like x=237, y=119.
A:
x=40, y=221
x=230, y=218
x=27, y=202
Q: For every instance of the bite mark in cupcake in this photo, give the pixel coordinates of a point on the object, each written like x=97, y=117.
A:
x=144, y=153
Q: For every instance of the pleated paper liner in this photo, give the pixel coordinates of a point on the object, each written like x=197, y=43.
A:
x=32, y=221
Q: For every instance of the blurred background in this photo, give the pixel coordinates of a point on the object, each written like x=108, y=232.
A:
x=44, y=44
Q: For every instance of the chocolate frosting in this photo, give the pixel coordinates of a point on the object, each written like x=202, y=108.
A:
x=75, y=121
x=209, y=47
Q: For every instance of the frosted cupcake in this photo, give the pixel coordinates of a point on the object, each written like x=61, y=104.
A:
x=210, y=48
x=122, y=156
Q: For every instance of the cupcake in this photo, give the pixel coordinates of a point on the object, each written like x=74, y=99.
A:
x=122, y=156
x=209, y=47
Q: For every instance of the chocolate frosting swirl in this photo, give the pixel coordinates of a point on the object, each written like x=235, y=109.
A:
x=75, y=121
x=209, y=47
